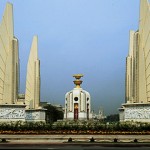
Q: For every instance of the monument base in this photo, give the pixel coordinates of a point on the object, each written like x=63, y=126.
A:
x=12, y=112
x=35, y=115
x=81, y=116
x=136, y=112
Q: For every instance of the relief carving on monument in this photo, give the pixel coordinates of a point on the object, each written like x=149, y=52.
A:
x=32, y=116
x=137, y=113
x=8, y=113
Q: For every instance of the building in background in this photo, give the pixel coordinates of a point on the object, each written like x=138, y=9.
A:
x=137, y=98
x=100, y=115
x=77, y=102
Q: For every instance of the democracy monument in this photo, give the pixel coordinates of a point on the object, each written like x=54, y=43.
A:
x=137, y=92
x=12, y=108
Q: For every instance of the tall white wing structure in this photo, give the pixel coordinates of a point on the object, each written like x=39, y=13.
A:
x=137, y=104
x=9, y=61
x=12, y=107
x=32, y=93
x=132, y=65
x=138, y=60
x=144, y=52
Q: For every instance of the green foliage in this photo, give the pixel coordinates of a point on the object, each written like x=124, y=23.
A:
x=53, y=114
x=24, y=126
x=112, y=118
x=75, y=127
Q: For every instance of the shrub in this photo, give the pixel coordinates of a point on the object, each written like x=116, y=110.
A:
x=75, y=127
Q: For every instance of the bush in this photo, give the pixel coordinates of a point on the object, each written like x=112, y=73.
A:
x=74, y=127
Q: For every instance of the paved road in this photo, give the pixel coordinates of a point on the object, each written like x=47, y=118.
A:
x=71, y=147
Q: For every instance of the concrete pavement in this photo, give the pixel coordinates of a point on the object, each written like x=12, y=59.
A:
x=75, y=138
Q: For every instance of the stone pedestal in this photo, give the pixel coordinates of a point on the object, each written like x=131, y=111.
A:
x=12, y=112
x=137, y=112
x=81, y=116
x=35, y=115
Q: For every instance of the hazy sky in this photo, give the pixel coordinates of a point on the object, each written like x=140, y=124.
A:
x=77, y=36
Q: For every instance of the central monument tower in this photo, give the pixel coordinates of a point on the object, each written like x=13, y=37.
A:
x=77, y=102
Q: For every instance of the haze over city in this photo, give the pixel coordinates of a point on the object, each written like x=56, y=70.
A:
x=77, y=36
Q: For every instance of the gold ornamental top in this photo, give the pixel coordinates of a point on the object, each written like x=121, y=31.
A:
x=77, y=82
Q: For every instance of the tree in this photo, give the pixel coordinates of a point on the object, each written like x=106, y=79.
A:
x=53, y=114
x=112, y=118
